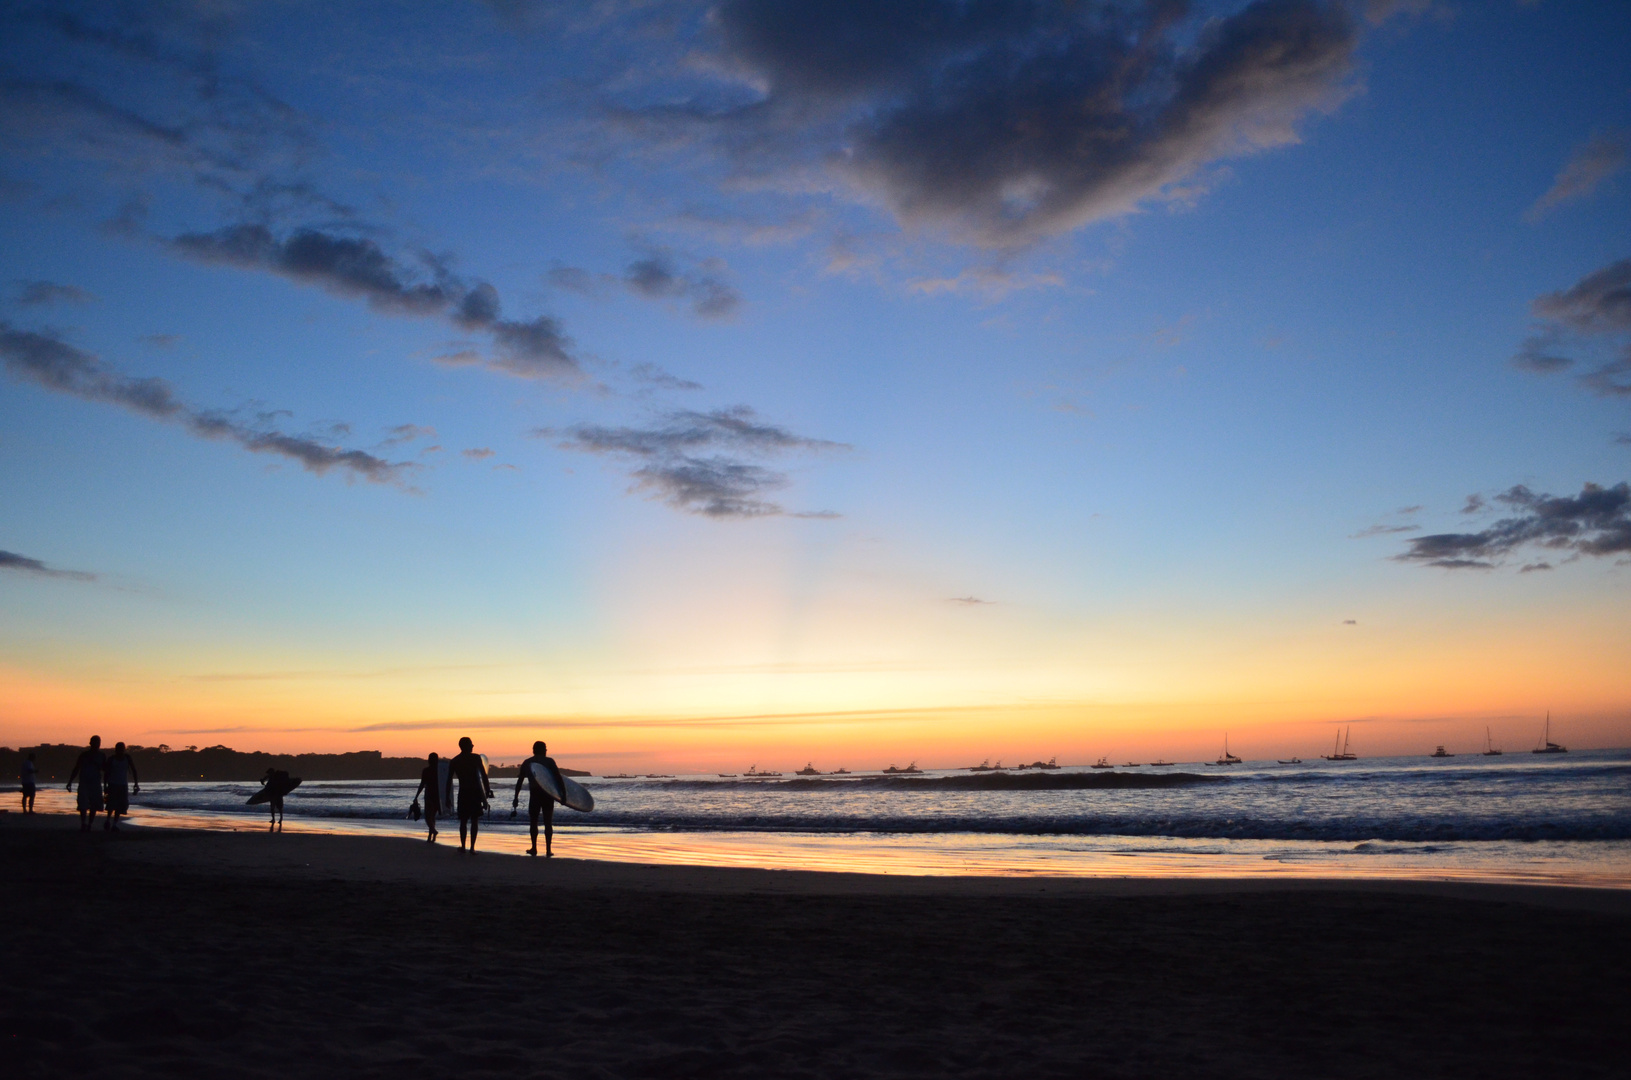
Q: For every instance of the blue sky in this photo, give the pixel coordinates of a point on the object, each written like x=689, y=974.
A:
x=490, y=365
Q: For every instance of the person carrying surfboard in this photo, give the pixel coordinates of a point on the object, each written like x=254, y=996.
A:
x=474, y=790
x=539, y=801
x=430, y=782
x=277, y=785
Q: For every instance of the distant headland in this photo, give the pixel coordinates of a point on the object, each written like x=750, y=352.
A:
x=222, y=763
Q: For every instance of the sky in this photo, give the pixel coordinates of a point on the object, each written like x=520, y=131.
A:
x=698, y=385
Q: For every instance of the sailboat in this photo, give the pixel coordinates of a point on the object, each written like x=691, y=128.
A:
x=1489, y=745
x=1227, y=758
x=1340, y=751
x=1547, y=745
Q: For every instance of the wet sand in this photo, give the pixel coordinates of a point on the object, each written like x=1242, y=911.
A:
x=171, y=952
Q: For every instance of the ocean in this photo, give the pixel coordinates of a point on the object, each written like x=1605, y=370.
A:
x=1518, y=817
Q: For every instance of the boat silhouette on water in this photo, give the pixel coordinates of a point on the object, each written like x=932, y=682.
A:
x=1441, y=752
x=1547, y=746
x=1340, y=751
x=1490, y=749
x=1227, y=758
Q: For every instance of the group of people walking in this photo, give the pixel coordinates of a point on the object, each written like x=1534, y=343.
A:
x=106, y=782
x=476, y=793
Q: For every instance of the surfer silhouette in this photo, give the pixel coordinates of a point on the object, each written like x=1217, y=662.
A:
x=29, y=774
x=119, y=774
x=430, y=782
x=539, y=803
x=277, y=783
x=474, y=791
x=88, y=769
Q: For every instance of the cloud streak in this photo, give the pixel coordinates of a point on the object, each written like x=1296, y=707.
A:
x=22, y=564
x=49, y=362
x=698, y=462
x=1597, y=523
x=358, y=268
x=1586, y=169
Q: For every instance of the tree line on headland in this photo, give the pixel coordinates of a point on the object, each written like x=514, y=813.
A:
x=222, y=763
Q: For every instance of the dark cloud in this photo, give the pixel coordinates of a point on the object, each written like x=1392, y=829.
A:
x=1005, y=121
x=574, y=279
x=1593, y=316
x=1598, y=302
x=22, y=564
x=1383, y=530
x=1587, y=167
x=1596, y=522
x=52, y=363
x=46, y=293
x=695, y=460
x=1533, y=567
x=655, y=277
x=1474, y=505
x=358, y=268
x=1350, y=622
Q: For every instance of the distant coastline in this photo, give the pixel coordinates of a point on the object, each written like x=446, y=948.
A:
x=222, y=763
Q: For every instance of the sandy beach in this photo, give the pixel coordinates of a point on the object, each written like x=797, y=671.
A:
x=173, y=952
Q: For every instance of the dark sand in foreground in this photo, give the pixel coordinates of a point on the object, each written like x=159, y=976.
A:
x=171, y=953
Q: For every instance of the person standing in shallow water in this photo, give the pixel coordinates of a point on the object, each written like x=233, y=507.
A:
x=474, y=791
x=430, y=782
x=119, y=773
x=539, y=801
x=30, y=775
x=88, y=770
x=278, y=781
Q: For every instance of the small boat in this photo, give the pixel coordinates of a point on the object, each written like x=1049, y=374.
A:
x=727, y=776
x=912, y=768
x=1102, y=763
x=753, y=770
x=1227, y=758
x=1154, y=764
x=984, y=766
x=839, y=772
x=808, y=770
x=1132, y=765
x=1489, y=745
x=1294, y=761
x=659, y=776
x=1547, y=745
x=1340, y=752
x=620, y=776
x=1441, y=752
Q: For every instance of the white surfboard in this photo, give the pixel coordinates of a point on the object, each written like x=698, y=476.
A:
x=576, y=796
x=444, y=784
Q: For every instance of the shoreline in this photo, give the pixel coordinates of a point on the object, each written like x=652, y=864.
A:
x=324, y=856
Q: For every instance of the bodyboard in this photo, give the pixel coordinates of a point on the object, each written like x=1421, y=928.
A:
x=576, y=796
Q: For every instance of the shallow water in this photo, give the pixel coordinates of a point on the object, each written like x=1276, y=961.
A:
x=1512, y=818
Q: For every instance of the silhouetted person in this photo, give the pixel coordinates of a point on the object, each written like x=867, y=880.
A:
x=29, y=774
x=539, y=801
x=278, y=781
x=118, y=774
x=430, y=782
x=474, y=790
x=89, y=771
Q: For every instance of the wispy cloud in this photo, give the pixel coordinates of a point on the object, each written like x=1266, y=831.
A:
x=695, y=461
x=1597, y=522
x=1589, y=165
x=970, y=601
x=47, y=293
x=48, y=361
x=1593, y=316
x=656, y=277
x=22, y=564
x=357, y=267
